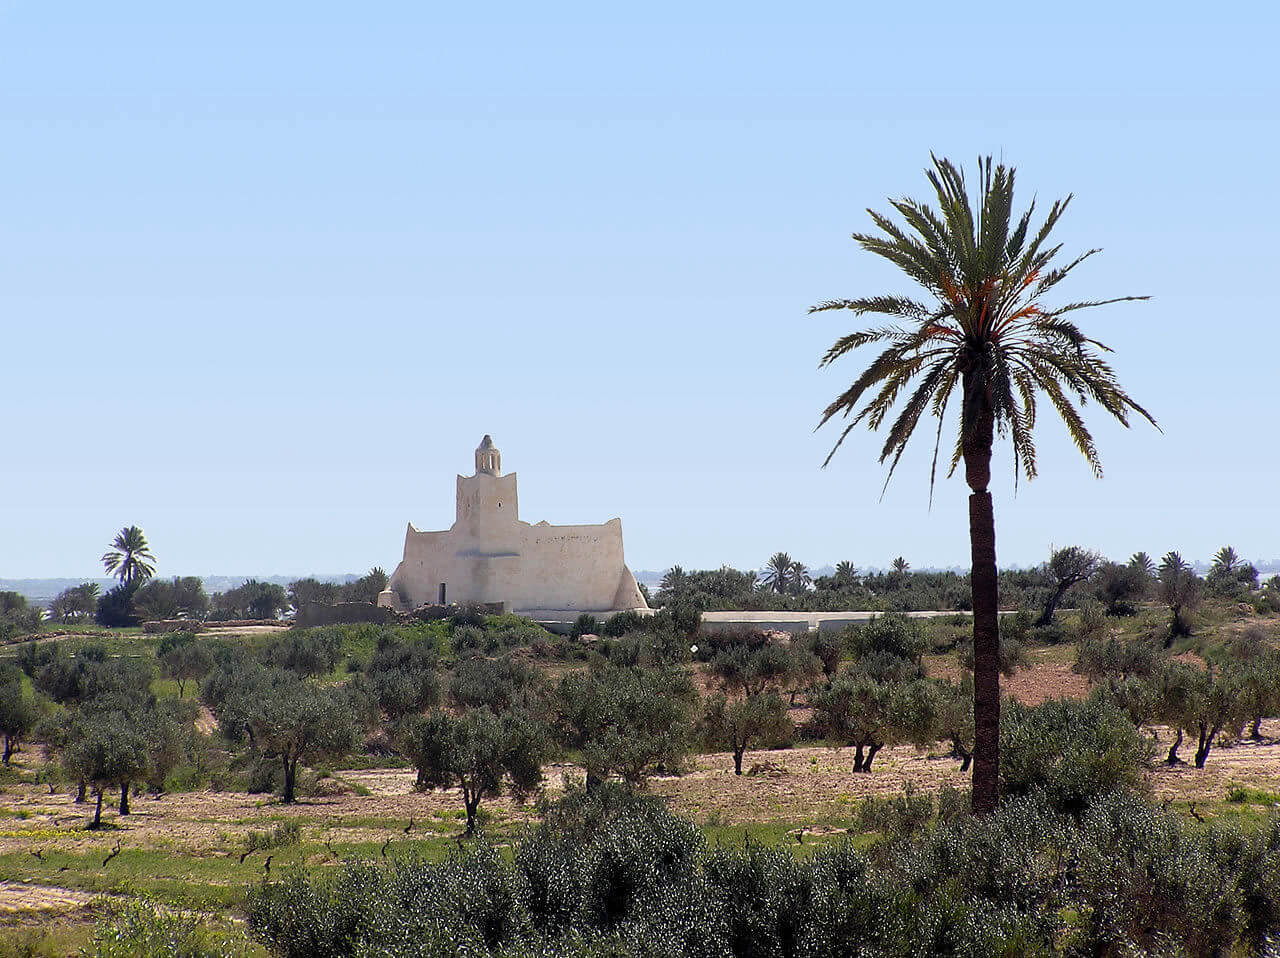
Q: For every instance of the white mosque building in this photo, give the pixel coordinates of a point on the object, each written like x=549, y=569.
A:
x=490, y=556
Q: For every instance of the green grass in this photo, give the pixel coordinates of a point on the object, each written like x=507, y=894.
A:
x=1243, y=795
x=782, y=834
x=213, y=880
x=49, y=939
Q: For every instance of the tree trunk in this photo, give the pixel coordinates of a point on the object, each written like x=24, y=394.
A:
x=82, y=792
x=290, y=771
x=1206, y=742
x=8, y=748
x=857, y=758
x=1256, y=732
x=871, y=754
x=1050, y=607
x=986, y=655
x=1172, y=758
x=737, y=760
x=472, y=802
x=593, y=782
x=124, y=798
x=97, y=815
x=979, y=433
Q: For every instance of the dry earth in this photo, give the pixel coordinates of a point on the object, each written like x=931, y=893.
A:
x=806, y=786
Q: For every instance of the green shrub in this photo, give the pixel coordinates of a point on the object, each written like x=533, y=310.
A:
x=893, y=634
x=898, y=815
x=610, y=874
x=469, y=638
x=282, y=836
x=141, y=929
x=1069, y=751
x=621, y=623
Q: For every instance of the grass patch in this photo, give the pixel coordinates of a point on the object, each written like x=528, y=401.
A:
x=1243, y=795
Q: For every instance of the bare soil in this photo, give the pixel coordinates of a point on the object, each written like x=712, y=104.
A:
x=17, y=898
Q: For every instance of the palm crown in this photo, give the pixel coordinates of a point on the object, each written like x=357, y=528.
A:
x=985, y=328
x=130, y=558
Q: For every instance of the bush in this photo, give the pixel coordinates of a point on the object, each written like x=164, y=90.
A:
x=614, y=875
x=1069, y=751
x=621, y=623
x=141, y=929
x=285, y=834
x=468, y=616
x=17, y=616
x=306, y=651
x=115, y=608
x=892, y=634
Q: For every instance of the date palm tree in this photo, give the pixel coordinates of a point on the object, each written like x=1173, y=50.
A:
x=130, y=559
x=800, y=577
x=675, y=579
x=984, y=337
x=1226, y=561
x=1143, y=563
x=777, y=572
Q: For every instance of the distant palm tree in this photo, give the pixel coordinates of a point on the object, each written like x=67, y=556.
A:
x=901, y=566
x=130, y=559
x=1226, y=562
x=1143, y=563
x=984, y=336
x=800, y=577
x=777, y=572
x=675, y=579
x=846, y=574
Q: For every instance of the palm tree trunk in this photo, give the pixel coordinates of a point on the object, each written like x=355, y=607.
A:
x=986, y=600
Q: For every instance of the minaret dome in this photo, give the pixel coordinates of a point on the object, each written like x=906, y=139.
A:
x=488, y=458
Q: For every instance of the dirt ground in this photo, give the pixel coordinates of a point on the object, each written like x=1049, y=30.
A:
x=807, y=786
x=21, y=899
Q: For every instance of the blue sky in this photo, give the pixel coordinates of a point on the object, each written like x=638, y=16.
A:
x=268, y=272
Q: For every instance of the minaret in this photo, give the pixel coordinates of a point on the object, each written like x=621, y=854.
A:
x=488, y=458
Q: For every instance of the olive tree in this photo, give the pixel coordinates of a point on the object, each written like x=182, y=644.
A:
x=298, y=721
x=185, y=660
x=479, y=751
x=737, y=722
x=106, y=750
x=17, y=709
x=403, y=676
x=626, y=721
x=880, y=700
x=1181, y=590
x=499, y=685
x=1067, y=567
x=955, y=718
x=1201, y=702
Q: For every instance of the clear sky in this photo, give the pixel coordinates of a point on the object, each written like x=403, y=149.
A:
x=269, y=271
